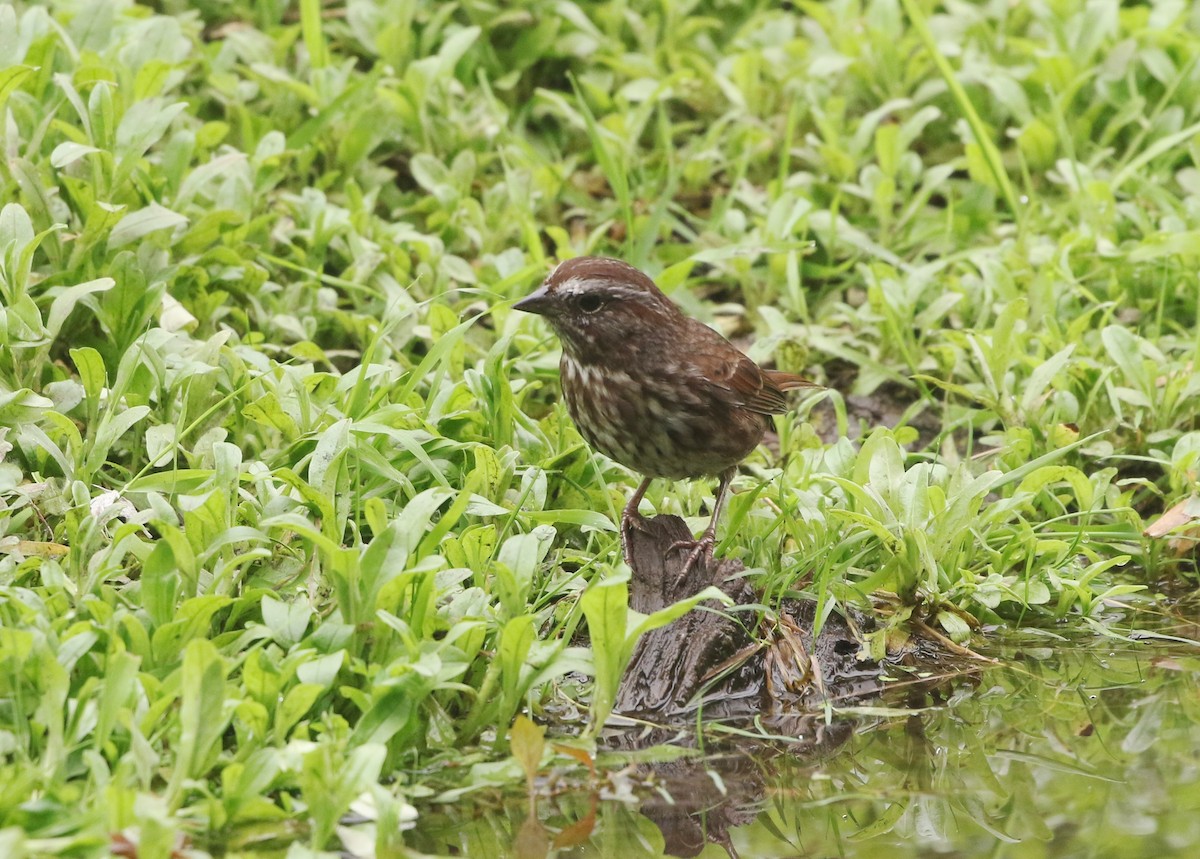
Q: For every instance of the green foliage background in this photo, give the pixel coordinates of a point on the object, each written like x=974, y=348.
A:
x=288, y=511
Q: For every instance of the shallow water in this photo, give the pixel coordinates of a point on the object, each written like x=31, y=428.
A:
x=1084, y=747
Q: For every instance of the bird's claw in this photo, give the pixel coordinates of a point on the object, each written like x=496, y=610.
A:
x=635, y=522
x=629, y=524
x=702, y=548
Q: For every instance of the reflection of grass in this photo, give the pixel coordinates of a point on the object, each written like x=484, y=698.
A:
x=1071, y=745
x=289, y=511
x=1080, y=748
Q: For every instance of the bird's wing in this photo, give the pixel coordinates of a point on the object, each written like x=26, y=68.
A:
x=747, y=385
x=737, y=380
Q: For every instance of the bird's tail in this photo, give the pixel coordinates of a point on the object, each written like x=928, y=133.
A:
x=789, y=381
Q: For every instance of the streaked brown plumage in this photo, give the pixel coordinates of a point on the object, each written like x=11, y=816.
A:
x=657, y=391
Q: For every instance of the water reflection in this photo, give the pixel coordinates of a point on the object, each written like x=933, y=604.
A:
x=1066, y=749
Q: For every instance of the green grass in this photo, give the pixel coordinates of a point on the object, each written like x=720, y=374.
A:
x=290, y=514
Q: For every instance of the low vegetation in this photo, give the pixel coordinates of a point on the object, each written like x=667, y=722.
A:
x=290, y=514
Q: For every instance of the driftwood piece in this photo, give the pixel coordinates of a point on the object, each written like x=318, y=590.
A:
x=670, y=664
x=736, y=663
x=765, y=666
x=750, y=662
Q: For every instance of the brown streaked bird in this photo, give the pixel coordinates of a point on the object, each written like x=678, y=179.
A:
x=657, y=391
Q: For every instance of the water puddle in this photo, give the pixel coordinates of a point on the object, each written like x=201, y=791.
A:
x=1069, y=747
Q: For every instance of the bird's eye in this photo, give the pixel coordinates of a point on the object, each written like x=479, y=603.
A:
x=590, y=303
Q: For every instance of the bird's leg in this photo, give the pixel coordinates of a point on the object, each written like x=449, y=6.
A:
x=631, y=519
x=708, y=541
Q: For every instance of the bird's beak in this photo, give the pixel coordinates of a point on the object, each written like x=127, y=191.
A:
x=536, y=302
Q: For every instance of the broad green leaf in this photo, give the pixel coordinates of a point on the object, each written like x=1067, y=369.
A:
x=66, y=154
x=143, y=125
x=160, y=584
x=16, y=229
x=288, y=621
x=296, y=703
x=66, y=301
x=516, y=639
x=202, y=715
x=12, y=76
x=606, y=607
x=112, y=427
x=143, y=222
x=331, y=447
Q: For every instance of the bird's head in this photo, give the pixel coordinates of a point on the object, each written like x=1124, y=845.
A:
x=597, y=302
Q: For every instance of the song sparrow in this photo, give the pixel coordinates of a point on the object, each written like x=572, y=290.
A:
x=657, y=391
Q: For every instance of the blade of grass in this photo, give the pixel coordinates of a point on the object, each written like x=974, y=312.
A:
x=991, y=154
